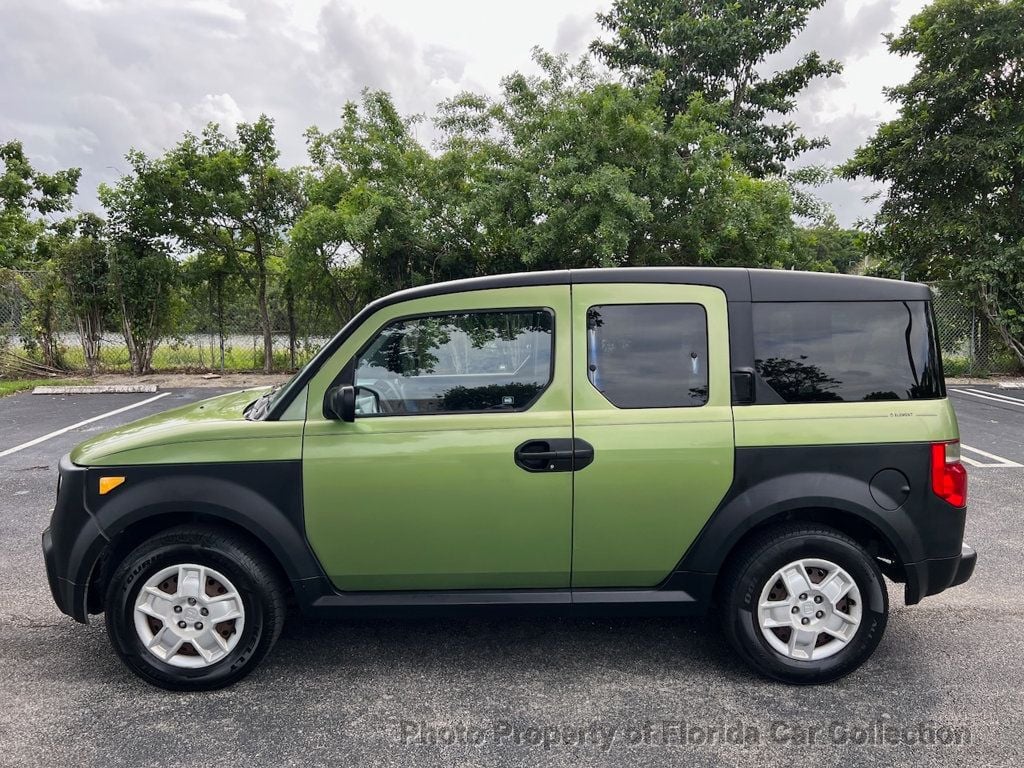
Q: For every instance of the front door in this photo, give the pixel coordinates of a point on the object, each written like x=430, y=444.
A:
x=651, y=394
x=433, y=485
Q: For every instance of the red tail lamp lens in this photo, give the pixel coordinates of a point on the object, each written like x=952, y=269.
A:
x=949, y=478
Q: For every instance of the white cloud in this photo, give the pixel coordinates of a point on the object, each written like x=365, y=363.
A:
x=85, y=80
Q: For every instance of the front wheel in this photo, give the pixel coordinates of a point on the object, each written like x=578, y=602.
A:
x=804, y=604
x=194, y=609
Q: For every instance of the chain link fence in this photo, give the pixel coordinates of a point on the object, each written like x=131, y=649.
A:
x=207, y=334
x=970, y=345
x=221, y=332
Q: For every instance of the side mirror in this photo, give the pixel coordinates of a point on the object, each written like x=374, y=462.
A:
x=340, y=403
x=742, y=387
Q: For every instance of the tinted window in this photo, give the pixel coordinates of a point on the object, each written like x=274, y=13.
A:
x=649, y=355
x=818, y=352
x=471, y=361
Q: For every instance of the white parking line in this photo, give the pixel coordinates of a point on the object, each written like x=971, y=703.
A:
x=58, y=432
x=998, y=397
x=996, y=461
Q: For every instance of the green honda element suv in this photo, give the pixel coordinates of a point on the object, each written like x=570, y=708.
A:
x=761, y=444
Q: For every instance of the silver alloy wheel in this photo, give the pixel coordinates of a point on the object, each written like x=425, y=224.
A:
x=189, y=615
x=809, y=609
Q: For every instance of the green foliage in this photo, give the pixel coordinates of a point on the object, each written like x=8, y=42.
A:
x=142, y=281
x=827, y=248
x=26, y=196
x=716, y=49
x=80, y=262
x=215, y=194
x=577, y=172
x=364, y=230
x=681, y=163
x=40, y=323
x=954, y=158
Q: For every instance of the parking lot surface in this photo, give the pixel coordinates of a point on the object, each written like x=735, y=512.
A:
x=942, y=689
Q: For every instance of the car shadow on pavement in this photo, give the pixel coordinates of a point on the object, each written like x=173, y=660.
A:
x=481, y=645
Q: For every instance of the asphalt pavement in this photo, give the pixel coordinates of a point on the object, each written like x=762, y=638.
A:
x=942, y=689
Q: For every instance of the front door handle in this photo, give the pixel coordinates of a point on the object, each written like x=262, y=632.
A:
x=560, y=454
x=545, y=455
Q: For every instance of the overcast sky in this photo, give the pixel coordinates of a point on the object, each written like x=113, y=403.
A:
x=83, y=81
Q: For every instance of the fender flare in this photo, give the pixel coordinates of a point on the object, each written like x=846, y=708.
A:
x=270, y=509
x=775, y=497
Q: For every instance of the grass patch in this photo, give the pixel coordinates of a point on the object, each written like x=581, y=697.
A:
x=179, y=356
x=10, y=386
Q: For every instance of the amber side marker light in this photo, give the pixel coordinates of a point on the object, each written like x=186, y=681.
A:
x=107, y=484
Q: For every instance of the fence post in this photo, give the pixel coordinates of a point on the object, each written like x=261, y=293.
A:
x=972, y=348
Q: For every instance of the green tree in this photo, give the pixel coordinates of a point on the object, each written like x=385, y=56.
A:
x=953, y=159
x=579, y=172
x=27, y=196
x=827, y=248
x=716, y=49
x=142, y=279
x=365, y=202
x=217, y=194
x=40, y=320
x=80, y=260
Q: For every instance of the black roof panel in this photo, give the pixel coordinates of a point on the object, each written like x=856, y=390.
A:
x=782, y=285
x=738, y=283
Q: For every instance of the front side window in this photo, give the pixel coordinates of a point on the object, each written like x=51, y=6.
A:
x=822, y=352
x=649, y=355
x=448, y=363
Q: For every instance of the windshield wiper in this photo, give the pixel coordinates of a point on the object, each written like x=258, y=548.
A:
x=259, y=407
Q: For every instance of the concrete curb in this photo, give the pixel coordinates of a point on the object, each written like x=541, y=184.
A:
x=111, y=389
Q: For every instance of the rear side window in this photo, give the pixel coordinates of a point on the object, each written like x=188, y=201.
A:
x=822, y=352
x=649, y=355
x=447, y=363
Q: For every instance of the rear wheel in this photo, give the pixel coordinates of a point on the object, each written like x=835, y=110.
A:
x=804, y=604
x=194, y=609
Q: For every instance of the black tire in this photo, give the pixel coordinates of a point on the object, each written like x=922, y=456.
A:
x=256, y=580
x=757, y=562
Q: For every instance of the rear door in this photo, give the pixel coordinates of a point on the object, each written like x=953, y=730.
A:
x=651, y=394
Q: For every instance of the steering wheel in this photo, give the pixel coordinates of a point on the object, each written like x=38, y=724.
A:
x=384, y=405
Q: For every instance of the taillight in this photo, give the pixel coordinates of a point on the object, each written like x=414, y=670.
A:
x=949, y=478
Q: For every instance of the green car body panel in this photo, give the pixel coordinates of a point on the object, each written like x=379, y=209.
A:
x=475, y=520
x=658, y=473
x=915, y=421
x=435, y=502
x=213, y=430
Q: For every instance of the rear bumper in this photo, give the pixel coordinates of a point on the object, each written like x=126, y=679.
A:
x=929, y=577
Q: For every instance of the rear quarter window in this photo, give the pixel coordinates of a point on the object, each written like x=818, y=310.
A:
x=854, y=351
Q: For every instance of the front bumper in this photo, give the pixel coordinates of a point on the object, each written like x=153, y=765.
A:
x=64, y=592
x=71, y=544
x=929, y=577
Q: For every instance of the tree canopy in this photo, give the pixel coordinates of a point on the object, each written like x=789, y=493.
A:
x=717, y=50
x=680, y=153
x=953, y=159
x=27, y=196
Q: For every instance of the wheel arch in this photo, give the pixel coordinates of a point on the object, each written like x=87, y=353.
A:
x=848, y=507
x=859, y=528
x=121, y=545
x=261, y=506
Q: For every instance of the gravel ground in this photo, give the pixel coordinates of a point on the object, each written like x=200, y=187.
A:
x=543, y=691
